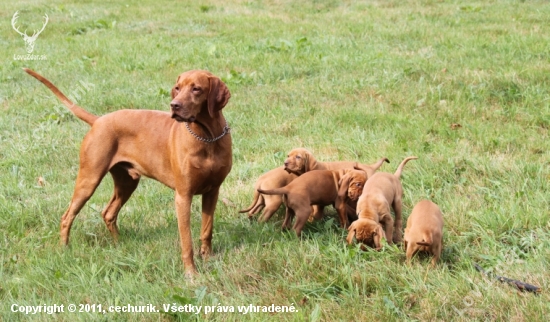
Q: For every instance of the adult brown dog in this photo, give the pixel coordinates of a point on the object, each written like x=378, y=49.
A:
x=318, y=187
x=373, y=208
x=188, y=149
x=424, y=231
x=298, y=162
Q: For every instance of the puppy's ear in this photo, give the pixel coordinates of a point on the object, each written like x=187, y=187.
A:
x=310, y=162
x=351, y=234
x=174, y=92
x=218, y=96
x=378, y=235
x=343, y=186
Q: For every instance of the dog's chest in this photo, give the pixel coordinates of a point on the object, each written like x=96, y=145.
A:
x=207, y=170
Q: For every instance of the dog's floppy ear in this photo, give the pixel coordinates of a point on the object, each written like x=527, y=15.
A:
x=174, y=92
x=377, y=236
x=218, y=96
x=310, y=162
x=351, y=234
x=343, y=185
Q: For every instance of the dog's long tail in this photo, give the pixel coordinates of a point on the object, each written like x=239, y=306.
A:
x=400, y=167
x=256, y=204
x=277, y=191
x=77, y=110
x=371, y=169
x=379, y=163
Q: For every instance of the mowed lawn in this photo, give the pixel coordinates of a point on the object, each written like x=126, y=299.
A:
x=462, y=85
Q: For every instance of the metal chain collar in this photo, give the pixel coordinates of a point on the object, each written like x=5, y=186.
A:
x=226, y=130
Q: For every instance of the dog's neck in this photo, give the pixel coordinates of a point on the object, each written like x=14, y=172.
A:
x=367, y=213
x=208, y=129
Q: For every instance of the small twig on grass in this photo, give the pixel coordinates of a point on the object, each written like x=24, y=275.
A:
x=518, y=284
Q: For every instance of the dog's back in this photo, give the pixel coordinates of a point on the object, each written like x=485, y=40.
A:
x=319, y=186
x=382, y=184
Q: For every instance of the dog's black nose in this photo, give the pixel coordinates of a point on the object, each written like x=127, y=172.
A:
x=175, y=105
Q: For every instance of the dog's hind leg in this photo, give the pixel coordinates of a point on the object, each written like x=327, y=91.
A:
x=289, y=215
x=84, y=188
x=398, y=224
x=125, y=182
x=302, y=212
x=96, y=152
x=272, y=204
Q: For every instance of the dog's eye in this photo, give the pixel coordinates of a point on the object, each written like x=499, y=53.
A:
x=196, y=89
x=298, y=157
x=177, y=88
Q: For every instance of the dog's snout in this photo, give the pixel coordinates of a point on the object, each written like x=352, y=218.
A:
x=175, y=105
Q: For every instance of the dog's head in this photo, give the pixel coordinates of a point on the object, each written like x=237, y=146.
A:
x=196, y=92
x=351, y=184
x=366, y=231
x=300, y=161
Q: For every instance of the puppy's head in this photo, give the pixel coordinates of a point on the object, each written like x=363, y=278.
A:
x=197, y=91
x=300, y=161
x=366, y=231
x=351, y=184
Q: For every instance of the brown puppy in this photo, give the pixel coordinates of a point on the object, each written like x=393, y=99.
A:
x=188, y=149
x=272, y=179
x=318, y=187
x=373, y=208
x=355, y=181
x=280, y=177
x=424, y=231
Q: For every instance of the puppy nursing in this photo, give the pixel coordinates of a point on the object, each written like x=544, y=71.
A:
x=424, y=231
x=381, y=191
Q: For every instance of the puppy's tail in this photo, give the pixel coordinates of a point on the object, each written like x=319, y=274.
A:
x=379, y=163
x=77, y=110
x=400, y=167
x=256, y=204
x=278, y=191
x=370, y=169
x=426, y=241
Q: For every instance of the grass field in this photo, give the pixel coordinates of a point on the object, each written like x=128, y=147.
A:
x=463, y=85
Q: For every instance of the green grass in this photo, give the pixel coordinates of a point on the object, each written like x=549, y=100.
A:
x=349, y=80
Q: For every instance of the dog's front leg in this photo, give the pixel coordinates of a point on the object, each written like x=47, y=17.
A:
x=183, y=212
x=340, y=206
x=209, y=201
x=388, y=223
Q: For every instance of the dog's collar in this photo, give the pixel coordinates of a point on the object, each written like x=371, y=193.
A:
x=226, y=130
